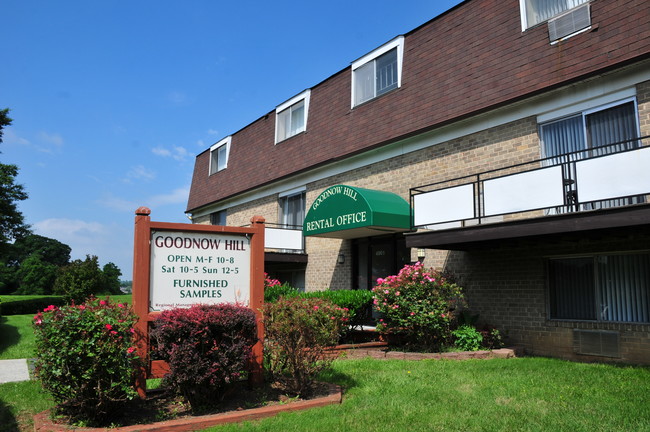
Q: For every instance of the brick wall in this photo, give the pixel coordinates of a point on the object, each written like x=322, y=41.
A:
x=497, y=147
x=507, y=286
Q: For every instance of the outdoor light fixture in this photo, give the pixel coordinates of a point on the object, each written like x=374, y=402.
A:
x=341, y=258
x=421, y=254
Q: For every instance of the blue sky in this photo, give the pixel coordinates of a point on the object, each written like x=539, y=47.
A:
x=112, y=100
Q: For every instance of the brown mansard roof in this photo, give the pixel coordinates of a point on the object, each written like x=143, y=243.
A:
x=472, y=58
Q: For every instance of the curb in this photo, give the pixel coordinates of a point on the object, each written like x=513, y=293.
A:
x=43, y=422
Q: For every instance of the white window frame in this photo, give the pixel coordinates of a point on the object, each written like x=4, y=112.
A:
x=287, y=194
x=215, y=148
x=397, y=43
x=289, y=105
x=584, y=110
x=524, y=16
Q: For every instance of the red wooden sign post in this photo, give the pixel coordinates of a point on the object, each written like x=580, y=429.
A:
x=159, y=286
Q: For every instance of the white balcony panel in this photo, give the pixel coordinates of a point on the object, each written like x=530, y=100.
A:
x=613, y=176
x=275, y=238
x=445, y=205
x=526, y=191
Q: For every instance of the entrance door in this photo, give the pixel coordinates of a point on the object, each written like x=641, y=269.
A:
x=378, y=257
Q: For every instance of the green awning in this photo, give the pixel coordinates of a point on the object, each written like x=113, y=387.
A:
x=347, y=212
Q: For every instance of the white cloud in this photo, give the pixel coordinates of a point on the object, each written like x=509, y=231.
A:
x=178, y=153
x=10, y=137
x=159, y=151
x=51, y=138
x=118, y=204
x=140, y=172
x=213, y=132
x=110, y=243
x=177, y=196
x=44, y=142
x=67, y=227
x=177, y=97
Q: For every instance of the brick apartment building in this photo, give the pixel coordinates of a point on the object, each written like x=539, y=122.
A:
x=505, y=141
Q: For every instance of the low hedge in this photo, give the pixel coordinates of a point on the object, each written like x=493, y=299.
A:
x=358, y=302
x=22, y=305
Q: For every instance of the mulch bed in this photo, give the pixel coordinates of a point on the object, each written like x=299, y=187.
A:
x=164, y=412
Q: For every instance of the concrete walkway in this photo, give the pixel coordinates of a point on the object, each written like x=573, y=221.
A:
x=14, y=370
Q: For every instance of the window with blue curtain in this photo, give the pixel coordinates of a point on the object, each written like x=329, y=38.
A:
x=600, y=288
x=593, y=130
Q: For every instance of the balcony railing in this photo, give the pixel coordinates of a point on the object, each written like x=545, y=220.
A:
x=284, y=238
x=614, y=175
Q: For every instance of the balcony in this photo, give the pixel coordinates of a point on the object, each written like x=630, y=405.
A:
x=598, y=188
x=284, y=243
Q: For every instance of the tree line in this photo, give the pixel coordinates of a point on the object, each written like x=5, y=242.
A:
x=38, y=265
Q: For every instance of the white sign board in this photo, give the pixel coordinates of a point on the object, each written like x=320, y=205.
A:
x=198, y=268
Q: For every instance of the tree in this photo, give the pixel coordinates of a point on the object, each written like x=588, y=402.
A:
x=50, y=250
x=36, y=276
x=79, y=280
x=12, y=224
x=112, y=275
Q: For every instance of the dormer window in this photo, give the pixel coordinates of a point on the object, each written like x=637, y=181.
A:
x=534, y=12
x=377, y=72
x=291, y=116
x=219, y=155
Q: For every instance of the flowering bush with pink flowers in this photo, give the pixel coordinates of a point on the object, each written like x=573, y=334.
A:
x=418, y=308
x=86, y=359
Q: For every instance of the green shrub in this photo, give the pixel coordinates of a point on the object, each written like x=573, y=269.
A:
x=273, y=292
x=79, y=280
x=297, y=331
x=207, y=347
x=86, y=358
x=357, y=302
x=419, y=307
x=491, y=338
x=29, y=304
x=467, y=338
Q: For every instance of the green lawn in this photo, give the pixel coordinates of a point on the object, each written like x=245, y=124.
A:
x=16, y=337
x=524, y=394
x=19, y=402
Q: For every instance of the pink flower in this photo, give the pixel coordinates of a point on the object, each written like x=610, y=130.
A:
x=132, y=330
x=130, y=350
x=412, y=313
x=315, y=308
x=108, y=327
x=380, y=281
x=37, y=320
x=113, y=332
x=397, y=293
x=120, y=305
x=443, y=315
x=81, y=307
x=49, y=308
x=102, y=302
x=386, y=291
